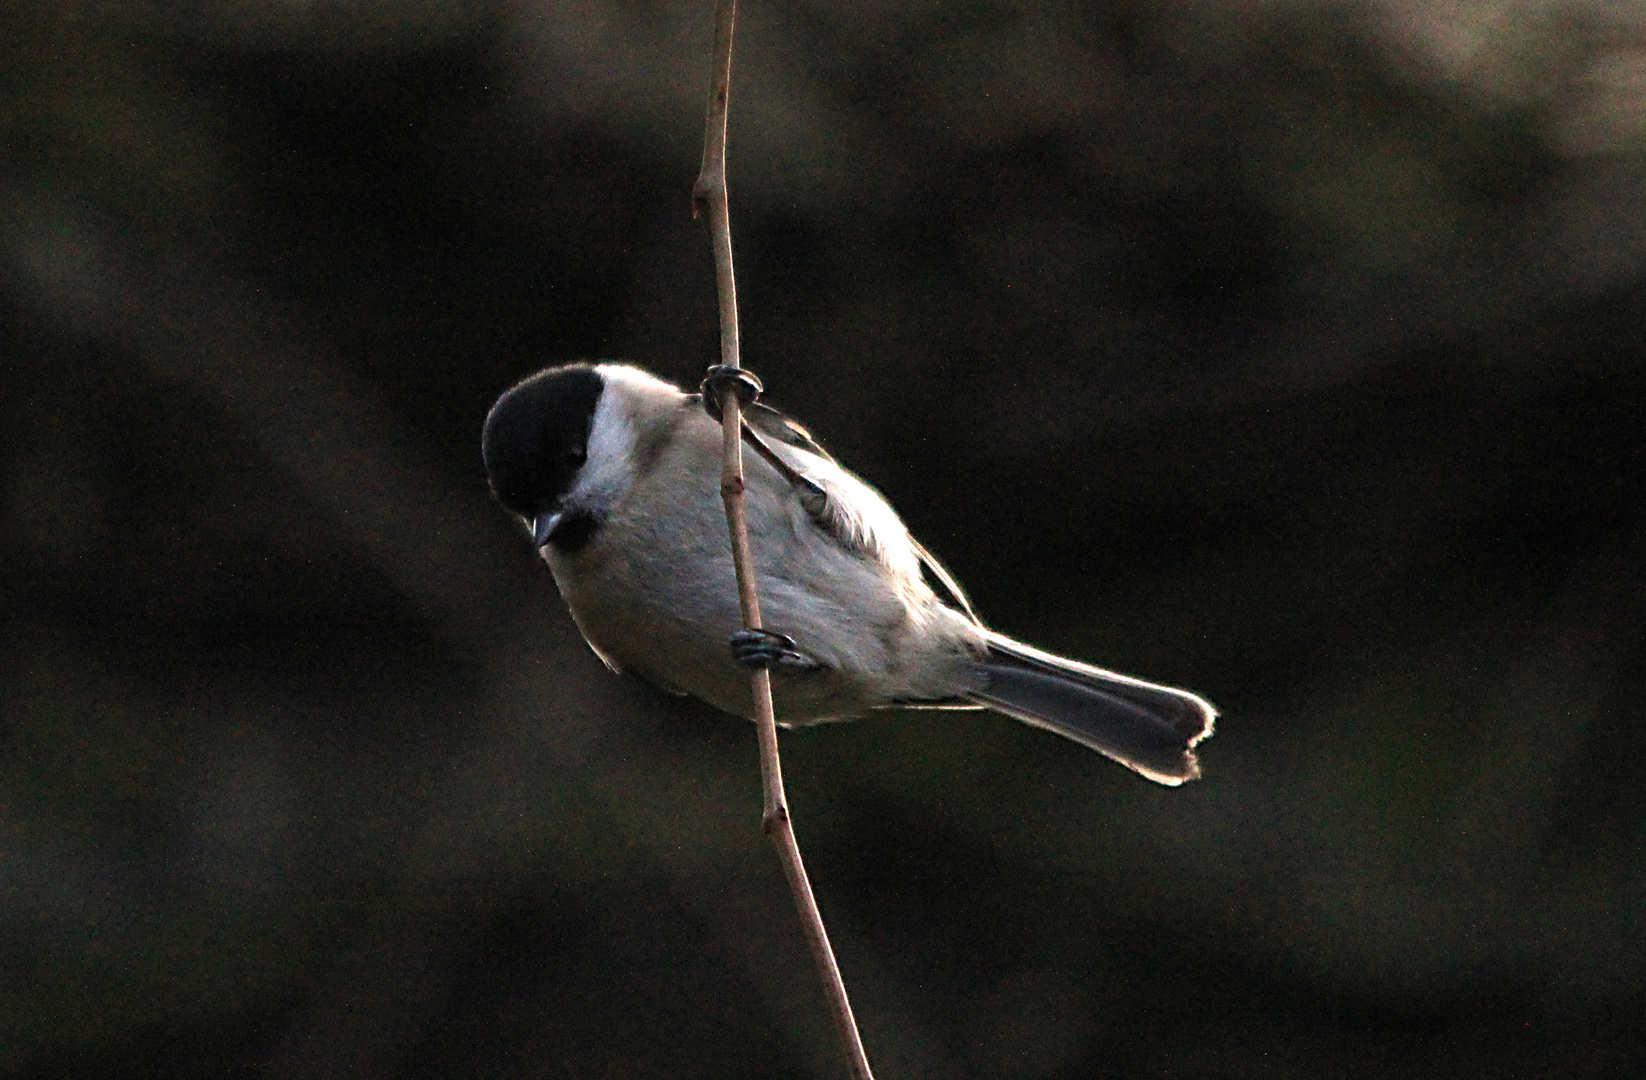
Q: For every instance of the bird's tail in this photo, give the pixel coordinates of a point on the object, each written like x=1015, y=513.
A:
x=1150, y=728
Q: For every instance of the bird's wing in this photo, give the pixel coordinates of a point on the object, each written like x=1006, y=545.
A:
x=947, y=581
x=843, y=507
x=775, y=425
x=866, y=525
x=833, y=513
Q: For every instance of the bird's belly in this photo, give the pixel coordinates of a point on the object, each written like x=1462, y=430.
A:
x=670, y=624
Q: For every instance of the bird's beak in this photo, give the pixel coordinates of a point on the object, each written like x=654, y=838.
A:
x=542, y=526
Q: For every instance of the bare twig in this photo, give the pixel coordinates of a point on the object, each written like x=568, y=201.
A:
x=709, y=198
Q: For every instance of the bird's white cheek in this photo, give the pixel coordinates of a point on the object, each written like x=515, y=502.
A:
x=609, y=468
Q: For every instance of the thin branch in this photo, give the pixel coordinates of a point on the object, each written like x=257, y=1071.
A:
x=709, y=198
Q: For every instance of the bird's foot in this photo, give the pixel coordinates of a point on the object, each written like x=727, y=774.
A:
x=742, y=382
x=764, y=648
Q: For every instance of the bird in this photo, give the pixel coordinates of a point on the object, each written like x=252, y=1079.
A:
x=615, y=474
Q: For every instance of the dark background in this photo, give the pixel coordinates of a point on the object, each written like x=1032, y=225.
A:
x=1292, y=353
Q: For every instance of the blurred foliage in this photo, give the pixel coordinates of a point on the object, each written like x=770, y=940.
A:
x=1288, y=352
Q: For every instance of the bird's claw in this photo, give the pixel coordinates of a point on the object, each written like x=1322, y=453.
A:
x=764, y=648
x=722, y=377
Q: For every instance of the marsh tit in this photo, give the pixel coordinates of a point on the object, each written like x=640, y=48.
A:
x=617, y=477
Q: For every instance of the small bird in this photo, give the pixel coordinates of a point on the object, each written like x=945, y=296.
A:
x=616, y=475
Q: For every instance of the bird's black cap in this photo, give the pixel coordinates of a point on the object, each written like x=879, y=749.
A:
x=537, y=437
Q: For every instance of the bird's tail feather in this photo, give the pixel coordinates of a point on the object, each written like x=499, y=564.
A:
x=1150, y=728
